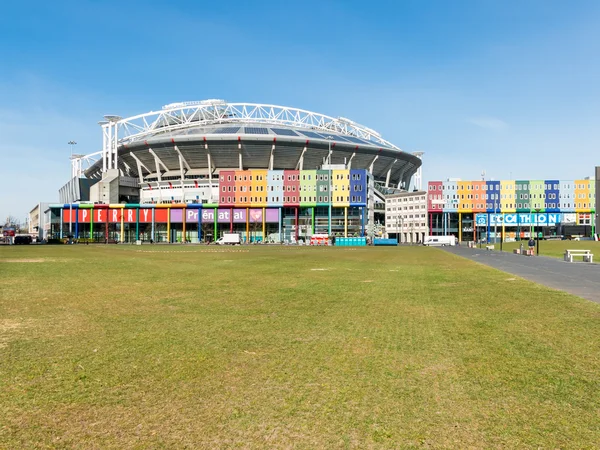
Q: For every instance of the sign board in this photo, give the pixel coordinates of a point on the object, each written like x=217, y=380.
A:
x=520, y=219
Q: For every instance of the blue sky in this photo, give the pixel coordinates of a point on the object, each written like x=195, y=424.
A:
x=509, y=87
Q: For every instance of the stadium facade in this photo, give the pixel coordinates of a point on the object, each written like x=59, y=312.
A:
x=194, y=170
x=512, y=209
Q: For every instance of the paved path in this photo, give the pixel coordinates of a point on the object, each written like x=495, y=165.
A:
x=581, y=279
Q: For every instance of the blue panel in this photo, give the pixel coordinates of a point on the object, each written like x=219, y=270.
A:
x=254, y=130
x=284, y=132
x=341, y=138
x=354, y=139
x=310, y=134
x=226, y=130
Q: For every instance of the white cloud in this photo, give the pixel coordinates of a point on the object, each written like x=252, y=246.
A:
x=488, y=123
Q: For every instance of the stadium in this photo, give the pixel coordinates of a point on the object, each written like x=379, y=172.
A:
x=194, y=170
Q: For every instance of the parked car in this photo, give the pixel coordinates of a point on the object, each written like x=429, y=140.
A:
x=23, y=240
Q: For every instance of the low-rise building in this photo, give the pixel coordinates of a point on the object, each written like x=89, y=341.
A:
x=406, y=216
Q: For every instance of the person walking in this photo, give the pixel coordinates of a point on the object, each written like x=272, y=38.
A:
x=531, y=246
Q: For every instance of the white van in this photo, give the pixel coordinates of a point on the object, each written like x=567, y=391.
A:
x=439, y=241
x=229, y=239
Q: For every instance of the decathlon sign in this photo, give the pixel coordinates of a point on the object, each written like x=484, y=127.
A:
x=518, y=219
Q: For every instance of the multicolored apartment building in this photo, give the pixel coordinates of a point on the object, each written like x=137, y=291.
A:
x=473, y=210
x=261, y=205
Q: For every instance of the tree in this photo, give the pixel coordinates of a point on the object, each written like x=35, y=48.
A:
x=12, y=222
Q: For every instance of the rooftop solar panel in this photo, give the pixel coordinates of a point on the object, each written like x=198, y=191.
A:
x=341, y=138
x=254, y=130
x=226, y=130
x=355, y=139
x=284, y=132
x=310, y=134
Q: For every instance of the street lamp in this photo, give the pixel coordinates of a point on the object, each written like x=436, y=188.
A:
x=329, y=139
x=495, y=221
x=537, y=250
x=71, y=144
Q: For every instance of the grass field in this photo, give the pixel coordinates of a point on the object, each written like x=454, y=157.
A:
x=277, y=347
x=556, y=249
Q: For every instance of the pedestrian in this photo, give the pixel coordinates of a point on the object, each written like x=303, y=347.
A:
x=531, y=246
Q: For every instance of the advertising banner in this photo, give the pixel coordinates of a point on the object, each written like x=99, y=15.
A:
x=161, y=215
x=100, y=215
x=114, y=215
x=191, y=215
x=130, y=216
x=272, y=215
x=519, y=219
x=84, y=215
x=145, y=215
x=176, y=216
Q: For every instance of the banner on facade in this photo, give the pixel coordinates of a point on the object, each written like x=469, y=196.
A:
x=519, y=219
x=235, y=215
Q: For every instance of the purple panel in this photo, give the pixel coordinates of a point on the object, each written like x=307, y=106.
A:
x=176, y=215
x=272, y=215
x=224, y=215
x=191, y=215
x=208, y=216
x=256, y=216
x=239, y=216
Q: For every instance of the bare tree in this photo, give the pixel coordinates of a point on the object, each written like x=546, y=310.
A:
x=12, y=222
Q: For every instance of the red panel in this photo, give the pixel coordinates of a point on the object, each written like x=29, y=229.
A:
x=160, y=215
x=145, y=215
x=67, y=215
x=114, y=215
x=130, y=215
x=83, y=215
x=100, y=215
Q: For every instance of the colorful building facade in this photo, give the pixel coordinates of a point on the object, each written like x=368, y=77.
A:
x=261, y=205
x=514, y=209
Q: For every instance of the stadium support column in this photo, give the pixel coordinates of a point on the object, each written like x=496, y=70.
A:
x=169, y=225
x=272, y=156
x=345, y=221
x=60, y=235
x=313, y=220
x=92, y=224
x=300, y=163
x=459, y=227
x=240, y=158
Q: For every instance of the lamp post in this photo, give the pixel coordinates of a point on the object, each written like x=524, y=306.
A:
x=71, y=144
x=537, y=249
x=329, y=139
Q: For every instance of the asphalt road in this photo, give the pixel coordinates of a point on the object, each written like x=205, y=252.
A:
x=581, y=279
